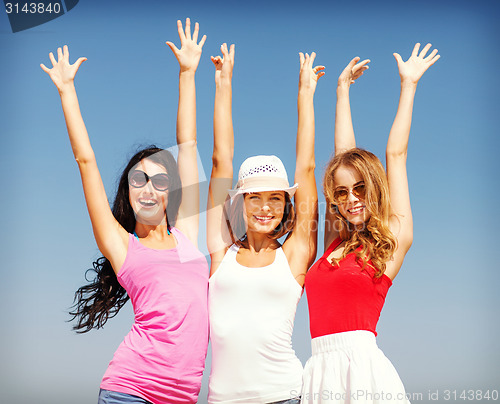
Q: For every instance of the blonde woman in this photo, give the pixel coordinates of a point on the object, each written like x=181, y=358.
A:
x=368, y=232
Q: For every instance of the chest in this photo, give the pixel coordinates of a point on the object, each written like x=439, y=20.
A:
x=348, y=278
x=248, y=259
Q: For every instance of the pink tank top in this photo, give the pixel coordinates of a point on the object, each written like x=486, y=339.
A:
x=163, y=356
x=345, y=297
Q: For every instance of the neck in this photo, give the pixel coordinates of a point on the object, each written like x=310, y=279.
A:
x=258, y=242
x=159, y=232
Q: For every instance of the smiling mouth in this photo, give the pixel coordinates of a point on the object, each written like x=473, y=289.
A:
x=357, y=210
x=263, y=219
x=148, y=203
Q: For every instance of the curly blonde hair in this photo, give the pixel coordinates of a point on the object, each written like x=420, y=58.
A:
x=374, y=241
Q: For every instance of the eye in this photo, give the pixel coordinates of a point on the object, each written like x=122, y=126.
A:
x=138, y=179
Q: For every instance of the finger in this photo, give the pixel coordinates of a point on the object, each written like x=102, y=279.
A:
x=223, y=49
x=424, y=51
x=357, y=75
x=52, y=59
x=415, y=49
x=66, y=53
x=398, y=58
x=78, y=63
x=195, y=32
x=59, y=54
x=215, y=60
x=318, y=68
x=188, y=29
x=362, y=64
x=313, y=56
x=202, y=42
x=231, y=53
x=351, y=64
x=434, y=60
x=321, y=74
x=301, y=58
x=44, y=68
x=180, y=31
x=173, y=47
x=431, y=55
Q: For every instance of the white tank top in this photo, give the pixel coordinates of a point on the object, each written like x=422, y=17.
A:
x=251, y=312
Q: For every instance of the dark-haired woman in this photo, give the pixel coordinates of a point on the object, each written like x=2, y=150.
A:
x=368, y=232
x=145, y=258
x=255, y=282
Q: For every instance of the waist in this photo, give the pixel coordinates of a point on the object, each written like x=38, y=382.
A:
x=343, y=340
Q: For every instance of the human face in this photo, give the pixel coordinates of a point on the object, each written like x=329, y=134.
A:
x=353, y=208
x=263, y=211
x=149, y=203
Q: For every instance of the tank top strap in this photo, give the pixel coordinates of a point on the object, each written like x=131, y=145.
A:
x=335, y=243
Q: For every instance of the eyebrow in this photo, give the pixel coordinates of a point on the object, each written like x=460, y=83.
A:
x=354, y=185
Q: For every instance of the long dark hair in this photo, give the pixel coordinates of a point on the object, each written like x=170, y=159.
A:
x=103, y=296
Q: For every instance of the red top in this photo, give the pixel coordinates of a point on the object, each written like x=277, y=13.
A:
x=344, y=297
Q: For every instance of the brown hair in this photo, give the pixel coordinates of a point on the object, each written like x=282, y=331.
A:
x=375, y=238
x=237, y=226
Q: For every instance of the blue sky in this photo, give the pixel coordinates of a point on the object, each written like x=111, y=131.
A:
x=440, y=323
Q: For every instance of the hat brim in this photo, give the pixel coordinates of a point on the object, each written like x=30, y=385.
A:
x=239, y=191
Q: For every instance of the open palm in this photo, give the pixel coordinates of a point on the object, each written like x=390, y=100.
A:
x=62, y=72
x=417, y=64
x=189, y=54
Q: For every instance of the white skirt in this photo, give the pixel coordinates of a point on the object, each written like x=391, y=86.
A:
x=349, y=367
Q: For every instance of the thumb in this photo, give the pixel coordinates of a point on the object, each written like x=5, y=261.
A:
x=79, y=62
x=173, y=47
x=398, y=58
x=44, y=68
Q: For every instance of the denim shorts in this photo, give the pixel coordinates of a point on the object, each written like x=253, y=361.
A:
x=112, y=397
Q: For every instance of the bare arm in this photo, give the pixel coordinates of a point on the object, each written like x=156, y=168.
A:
x=221, y=177
x=401, y=222
x=344, y=131
x=301, y=246
x=188, y=57
x=110, y=236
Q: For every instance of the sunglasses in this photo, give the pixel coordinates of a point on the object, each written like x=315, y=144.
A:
x=138, y=179
x=341, y=195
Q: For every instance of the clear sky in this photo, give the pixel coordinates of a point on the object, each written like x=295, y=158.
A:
x=440, y=324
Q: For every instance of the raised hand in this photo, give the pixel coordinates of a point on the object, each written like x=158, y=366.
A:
x=189, y=54
x=353, y=71
x=411, y=70
x=224, y=65
x=309, y=75
x=62, y=72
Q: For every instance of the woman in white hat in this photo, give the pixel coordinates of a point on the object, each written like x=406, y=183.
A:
x=255, y=281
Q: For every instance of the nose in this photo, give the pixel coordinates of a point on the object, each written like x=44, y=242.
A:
x=351, y=198
x=149, y=187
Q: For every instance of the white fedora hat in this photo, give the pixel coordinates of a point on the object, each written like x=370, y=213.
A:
x=261, y=174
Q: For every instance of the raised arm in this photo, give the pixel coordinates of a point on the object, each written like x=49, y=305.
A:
x=301, y=246
x=401, y=222
x=218, y=239
x=111, y=238
x=344, y=131
x=188, y=57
